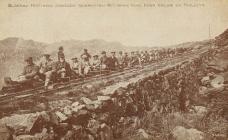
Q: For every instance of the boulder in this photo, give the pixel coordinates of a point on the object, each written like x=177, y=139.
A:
x=5, y=133
x=24, y=122
x=217, y=82
x=61, y=116
x=75, y=107
x=59, y=104
x=181, y=133
x=143, y=134
x=86, y=100
x=103, y=98
x=200, y=110
x=26, y=137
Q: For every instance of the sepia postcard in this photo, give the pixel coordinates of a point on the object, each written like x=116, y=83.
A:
x=113, y=69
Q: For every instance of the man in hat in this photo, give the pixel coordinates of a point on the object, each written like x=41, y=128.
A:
x=86, y=55
x=45, y=64
x=96, y=63
x=46, y=69
x=75, y=65
x=113, y=62
x=126, y=60
x=62, y=68
x=84, y=66
x=30, y=72
x=121, y=60
x=147, y=56
x=104, y=60
x=60, y=53
x=133, y=59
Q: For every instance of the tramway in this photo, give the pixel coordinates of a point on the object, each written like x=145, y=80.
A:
x=7, y=98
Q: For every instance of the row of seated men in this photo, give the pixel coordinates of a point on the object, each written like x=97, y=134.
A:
x=50, y=71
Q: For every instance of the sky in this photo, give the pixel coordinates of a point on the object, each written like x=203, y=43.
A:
x=133, y=26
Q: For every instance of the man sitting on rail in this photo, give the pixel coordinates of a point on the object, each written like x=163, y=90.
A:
x=84, y=66
x=46, y=69
x=96, y=63
x=30, y=73
x=75, y=66
x=126, y=60
x=62, y=68
x=147, y=56
x=133, y=59
x=104, y=61
x=121, y=60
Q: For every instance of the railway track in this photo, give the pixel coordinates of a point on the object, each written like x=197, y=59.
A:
x=10, y=98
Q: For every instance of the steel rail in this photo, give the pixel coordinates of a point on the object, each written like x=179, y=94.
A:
x=78, y=82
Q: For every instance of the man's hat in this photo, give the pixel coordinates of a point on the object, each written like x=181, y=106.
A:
x=85, y=50
x=46, y=55
x=62, y=56
x=103, y=52
x=29, y=59
x=74, y=58
x=95, y=56
x=61, y=48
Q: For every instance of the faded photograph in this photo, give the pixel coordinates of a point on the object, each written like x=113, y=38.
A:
x=113, y=70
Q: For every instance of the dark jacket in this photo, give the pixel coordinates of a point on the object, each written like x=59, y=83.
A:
x=113, y=63
x=62, y=65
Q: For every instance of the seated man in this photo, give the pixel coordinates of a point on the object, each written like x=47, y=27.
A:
x=96, y=63
x=46, y=69
x=75, y=66
x=84, y=66
x=62, y=68
x=30, y=73
x=121, y=60
x=147, y=57
x=104, y=61
x=133, y=59
x=113, y=62
x=126, y=60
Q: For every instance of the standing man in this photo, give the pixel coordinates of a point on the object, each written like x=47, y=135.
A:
x=113, y=61
x=60, y=53
x=86, y=55
x=104, y=61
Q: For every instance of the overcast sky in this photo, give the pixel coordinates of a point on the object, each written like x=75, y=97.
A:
x=130, y=26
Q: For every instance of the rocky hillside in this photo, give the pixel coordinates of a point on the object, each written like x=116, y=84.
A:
x=222, y=39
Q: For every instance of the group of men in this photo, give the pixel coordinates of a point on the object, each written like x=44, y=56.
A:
x=50, y=71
